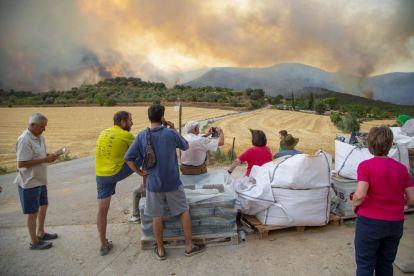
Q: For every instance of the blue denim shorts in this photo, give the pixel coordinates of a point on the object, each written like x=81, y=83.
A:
x=106, y=184
x=32, y=198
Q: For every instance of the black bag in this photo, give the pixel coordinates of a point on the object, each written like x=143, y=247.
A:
x=149, y=156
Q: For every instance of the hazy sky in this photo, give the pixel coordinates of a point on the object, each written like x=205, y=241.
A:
x=60, y=44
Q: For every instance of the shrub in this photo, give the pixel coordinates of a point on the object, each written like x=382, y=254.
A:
x=320, y=108
x=110, y=102
x=171, y=98
x=233, y=103
x=350, y=123
x=335, y=118
x=156, y=102
x=385, y=114
x=100, y=100
x=255, y=104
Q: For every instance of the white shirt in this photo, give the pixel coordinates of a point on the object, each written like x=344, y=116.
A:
x=29, y=147
x=196, y=154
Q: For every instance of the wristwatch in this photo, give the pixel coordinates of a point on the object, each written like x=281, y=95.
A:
x=229, y=171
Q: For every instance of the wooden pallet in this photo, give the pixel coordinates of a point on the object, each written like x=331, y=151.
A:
x=179, y=242
x=342, y=218
x=263, y=230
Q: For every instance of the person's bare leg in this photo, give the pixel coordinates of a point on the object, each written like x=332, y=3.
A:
x=157, y=226
x=31, y=225
x=102, y=220
x=41, y=220
x=186, y=223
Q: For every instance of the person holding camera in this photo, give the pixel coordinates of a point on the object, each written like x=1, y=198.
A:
x=192, y=160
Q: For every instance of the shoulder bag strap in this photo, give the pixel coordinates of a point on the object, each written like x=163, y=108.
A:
x=148, y=136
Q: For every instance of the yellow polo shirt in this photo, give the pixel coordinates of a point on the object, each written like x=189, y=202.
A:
x=111, y=147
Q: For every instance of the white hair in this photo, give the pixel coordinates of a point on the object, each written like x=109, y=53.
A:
x=37, y=118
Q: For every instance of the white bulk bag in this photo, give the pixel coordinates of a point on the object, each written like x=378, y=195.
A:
x=301, y=171
x=348, y=158
x=298, y=208
x=402, y=138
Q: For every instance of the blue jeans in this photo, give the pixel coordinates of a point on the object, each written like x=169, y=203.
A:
x=106, y=184
x=376, y=245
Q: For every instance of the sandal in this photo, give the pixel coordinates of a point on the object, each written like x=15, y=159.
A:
x=158, y=256
x=105, y=249
x=41, y=245
x=198, y=248
x=47, y=237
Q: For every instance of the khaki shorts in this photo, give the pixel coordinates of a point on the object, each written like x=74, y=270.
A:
x=155, y=203
x=193, y=170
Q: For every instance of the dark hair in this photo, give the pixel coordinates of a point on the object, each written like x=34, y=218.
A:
x=380, y=140
x=283, y=132
x=258, y=138
x=155, y=112
x=119, y=116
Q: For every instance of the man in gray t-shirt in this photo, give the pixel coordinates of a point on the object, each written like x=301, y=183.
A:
x=288, y=144
x=32, y=180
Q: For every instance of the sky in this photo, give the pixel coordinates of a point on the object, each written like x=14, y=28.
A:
x=48, y=44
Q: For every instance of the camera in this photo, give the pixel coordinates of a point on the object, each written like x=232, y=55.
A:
x=215, y=134
x=163, y=122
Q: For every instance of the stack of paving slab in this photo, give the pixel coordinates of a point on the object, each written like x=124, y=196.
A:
x=213, y=211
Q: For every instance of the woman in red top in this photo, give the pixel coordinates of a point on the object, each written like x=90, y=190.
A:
x=384, y=188
x=258, y=155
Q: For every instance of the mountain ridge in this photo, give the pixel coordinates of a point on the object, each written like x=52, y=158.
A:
x=287, y=78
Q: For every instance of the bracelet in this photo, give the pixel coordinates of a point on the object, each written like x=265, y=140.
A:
x=229, y=171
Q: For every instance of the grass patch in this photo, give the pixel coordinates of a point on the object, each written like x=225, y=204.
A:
x=6, y=170
x=221, y=158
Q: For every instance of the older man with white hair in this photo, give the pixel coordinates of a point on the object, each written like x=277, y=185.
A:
x=192, y=160
x=31, y=179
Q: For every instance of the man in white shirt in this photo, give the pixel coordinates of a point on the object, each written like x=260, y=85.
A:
x=31, y=179
x=192, y=160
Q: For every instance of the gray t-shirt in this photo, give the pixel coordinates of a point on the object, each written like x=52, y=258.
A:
x=29, y=147
x=287, y=152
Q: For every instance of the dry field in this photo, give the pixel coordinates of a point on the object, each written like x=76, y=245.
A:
x=315, y=132
x=78, y=128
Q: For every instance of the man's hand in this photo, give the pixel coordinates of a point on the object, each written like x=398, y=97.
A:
x=170, y=124
x=209, y=132
x=50, y=158
x=219, y=130
x=142, y=173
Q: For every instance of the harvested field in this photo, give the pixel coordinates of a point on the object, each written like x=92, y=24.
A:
x=78, y=128
x=315, y=132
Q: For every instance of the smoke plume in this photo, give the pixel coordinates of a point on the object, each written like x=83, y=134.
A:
x=60, y=44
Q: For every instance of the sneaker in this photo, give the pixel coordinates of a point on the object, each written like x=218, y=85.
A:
x=198, y=248
x=134, y=219
x=48, y=236
x=158, y=256
x=41, y=245
x=105, y=249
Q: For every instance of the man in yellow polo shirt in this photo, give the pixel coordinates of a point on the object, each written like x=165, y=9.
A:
x=110, y=168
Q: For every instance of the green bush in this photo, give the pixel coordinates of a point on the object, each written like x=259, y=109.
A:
x=255, y=104
x=110, y=102
x=350, y=123
x=335, y=118
x=385, y=114
x=320, y=107
x=156, y=102
x=100, y=100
